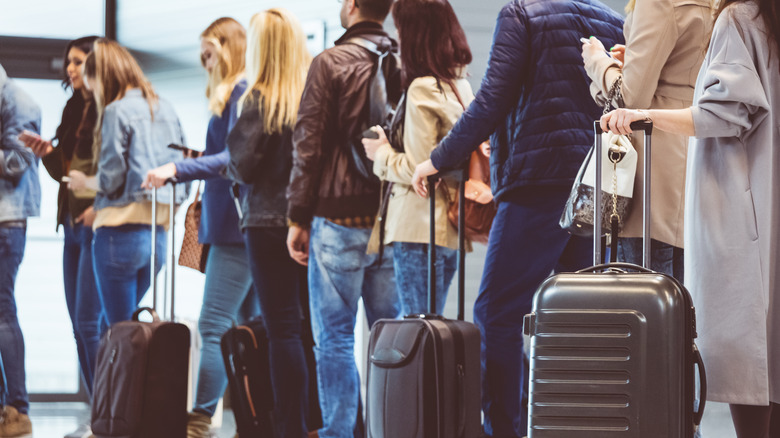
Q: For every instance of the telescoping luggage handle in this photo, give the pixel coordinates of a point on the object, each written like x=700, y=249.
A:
x=460, y=175
x=172, y=261
x=647, y=128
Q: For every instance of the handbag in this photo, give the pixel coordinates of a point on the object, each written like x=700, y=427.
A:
x=193, y=254
x=479, y=206
x=617, y=175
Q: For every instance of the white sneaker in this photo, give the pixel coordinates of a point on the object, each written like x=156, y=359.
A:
x=83, y=431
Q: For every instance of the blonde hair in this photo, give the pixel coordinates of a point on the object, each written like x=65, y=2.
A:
x=113, y=70
x=630, y=6
x=277, y=61
x=229, y=39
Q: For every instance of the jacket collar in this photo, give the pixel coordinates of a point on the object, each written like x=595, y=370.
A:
x=363, y=28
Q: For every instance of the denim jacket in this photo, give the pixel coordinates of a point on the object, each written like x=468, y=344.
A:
x=20, y=190
x=134, y=142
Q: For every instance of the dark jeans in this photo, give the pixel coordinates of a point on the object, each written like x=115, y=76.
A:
x=664, y=258
x=12, y=241
x=278, y=280
x=526, y=244
x=121, y=256
x=410, y=261
x=82, y=298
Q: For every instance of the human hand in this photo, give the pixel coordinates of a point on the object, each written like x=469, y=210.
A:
x=39, y=146
x=372, y=144
x=420, y=177
x=592, y=50
x=619, y=121
x=618, y=53
x=157, y=178
x=87, y=218
x=298, y=244
x=77, y=180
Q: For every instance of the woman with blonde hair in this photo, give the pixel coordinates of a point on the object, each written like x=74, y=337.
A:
x=133, y=129
x=228, y=281
x=261, y=159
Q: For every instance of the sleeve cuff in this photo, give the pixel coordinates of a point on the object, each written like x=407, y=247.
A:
x=380, y=160
x=299, y=216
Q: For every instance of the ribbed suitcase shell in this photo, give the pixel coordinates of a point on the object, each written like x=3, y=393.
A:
x=612, y=355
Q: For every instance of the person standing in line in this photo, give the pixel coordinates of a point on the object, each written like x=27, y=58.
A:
x=260, y=146
x=228, y=279
x=331, y=207
x=534, y=100
x=665, y=45
x=73, y=150
x=434, y=55
x=20, y=198
x=133, y=130
x=731, y=210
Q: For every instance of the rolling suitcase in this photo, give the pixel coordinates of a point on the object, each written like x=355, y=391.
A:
x=424, y=370
x=612, y=347
x=245, y=353
x=141, y=375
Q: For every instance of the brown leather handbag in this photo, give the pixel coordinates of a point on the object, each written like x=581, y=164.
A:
x=480, y=208
x=193, y=254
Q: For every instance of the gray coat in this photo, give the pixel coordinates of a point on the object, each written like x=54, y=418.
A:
x=732, y=222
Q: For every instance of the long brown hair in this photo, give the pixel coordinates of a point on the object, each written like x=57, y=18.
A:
x=432, y=41
x=111, y=70
x=229, y=39
x=277, y=61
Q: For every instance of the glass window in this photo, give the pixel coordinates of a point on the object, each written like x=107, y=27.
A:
x=50, y=19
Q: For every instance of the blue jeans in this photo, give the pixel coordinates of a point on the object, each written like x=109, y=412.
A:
x=525, y=246
x=411, y=275
x=664, y=258
x=228, y=285
x=280, y=283
x=121, y=256
x=12, y=241
x=340, y=273
x=82, y=298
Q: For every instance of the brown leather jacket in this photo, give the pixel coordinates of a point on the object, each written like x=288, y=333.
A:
x=333, y=109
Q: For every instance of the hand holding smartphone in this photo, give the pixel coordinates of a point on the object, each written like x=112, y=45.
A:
x=188, y=153
x=370, y=133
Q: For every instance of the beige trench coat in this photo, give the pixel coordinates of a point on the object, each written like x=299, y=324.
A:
x=430, y=114
x=665, y=45
x=732, y=227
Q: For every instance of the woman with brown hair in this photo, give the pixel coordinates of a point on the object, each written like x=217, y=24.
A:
x=731, y=210
x=228, y=280
x=133, y=130
x=434, y=54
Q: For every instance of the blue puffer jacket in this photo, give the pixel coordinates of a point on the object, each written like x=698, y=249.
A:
x=534, y=98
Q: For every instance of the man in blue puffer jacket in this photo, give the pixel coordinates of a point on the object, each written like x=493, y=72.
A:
x=534, y=100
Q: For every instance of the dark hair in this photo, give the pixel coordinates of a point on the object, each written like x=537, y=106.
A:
x=432, y=41
x=374, y=9
x=769, y=12
x=85, y=45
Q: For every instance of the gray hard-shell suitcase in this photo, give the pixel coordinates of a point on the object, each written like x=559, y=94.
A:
x=142, y=373
x=424, y=370
x=612, y=347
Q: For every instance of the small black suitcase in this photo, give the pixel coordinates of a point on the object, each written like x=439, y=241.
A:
x=424, y=370
x=142, y=371
x=612, y=347
x=245, y=353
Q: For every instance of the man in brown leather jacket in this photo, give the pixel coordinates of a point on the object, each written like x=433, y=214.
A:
x=332, y=207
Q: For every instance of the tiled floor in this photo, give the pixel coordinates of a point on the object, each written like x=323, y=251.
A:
x=54, y=420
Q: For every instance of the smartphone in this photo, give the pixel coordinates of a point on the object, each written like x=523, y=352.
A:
x=370, y=133
x=585, y=40
x=27, y=136
x=190, y=153
x=65, y=179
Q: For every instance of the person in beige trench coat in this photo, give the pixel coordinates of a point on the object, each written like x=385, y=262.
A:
x=733, y=211
x=665, y=45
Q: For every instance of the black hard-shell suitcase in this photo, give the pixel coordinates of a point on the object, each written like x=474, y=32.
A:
x=424, y=370
x=612, y=347
x=142, y=371
x=245, y=353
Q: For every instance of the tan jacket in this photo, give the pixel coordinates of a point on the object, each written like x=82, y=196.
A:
x=430, y=113
x=665, y=45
